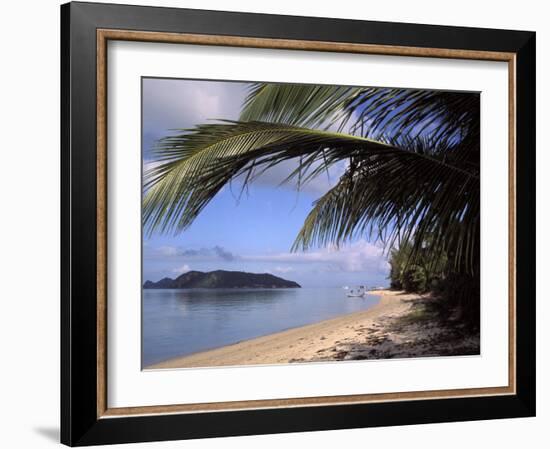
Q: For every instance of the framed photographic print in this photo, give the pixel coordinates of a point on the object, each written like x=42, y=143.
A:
x=277, y=224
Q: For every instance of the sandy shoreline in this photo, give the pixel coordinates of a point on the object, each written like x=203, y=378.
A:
x=383, y=331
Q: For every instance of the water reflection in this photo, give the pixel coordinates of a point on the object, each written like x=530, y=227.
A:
x=180, y=322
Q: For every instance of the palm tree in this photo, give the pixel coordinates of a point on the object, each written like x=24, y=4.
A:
x=411, y=157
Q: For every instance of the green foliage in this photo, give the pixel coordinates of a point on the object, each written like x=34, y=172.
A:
x=415, y=279
x=399, y=258
x=460, y=294
x=457, y=292
x=424, y=274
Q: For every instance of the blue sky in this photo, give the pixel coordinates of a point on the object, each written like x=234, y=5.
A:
x=251, y=232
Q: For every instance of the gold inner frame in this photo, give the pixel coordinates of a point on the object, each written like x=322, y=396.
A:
x=104, y=35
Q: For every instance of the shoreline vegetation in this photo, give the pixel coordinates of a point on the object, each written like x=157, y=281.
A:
x=401, y=325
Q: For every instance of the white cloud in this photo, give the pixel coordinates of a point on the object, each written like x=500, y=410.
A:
x=180, y=103
x=167, y=251
x=183, y=269
x=356, y=257
x=170, y=104
x=199, y=254
x=285, y=269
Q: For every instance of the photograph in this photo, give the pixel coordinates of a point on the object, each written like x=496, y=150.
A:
x=273, y=222
x=289, y=223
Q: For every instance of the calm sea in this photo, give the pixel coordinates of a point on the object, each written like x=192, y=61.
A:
x=181, y=322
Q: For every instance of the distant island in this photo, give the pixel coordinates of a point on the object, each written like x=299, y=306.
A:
x=222, y=279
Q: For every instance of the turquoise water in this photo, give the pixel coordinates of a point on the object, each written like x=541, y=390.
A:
x=182, y=322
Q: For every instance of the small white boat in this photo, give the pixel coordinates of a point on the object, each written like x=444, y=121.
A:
x=358, y=292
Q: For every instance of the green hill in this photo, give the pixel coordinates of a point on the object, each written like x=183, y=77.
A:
x=222, y=279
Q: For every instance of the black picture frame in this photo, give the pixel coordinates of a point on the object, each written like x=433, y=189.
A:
x=80, y=424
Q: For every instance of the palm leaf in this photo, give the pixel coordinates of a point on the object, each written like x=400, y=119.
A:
x=197, y=163
x=412, y=155
x=368, y=111
x=305, y=105
x=442, y=124
x=399, y=199
x=385, y=186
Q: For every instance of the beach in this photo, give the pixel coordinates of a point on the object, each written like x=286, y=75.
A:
x=398, y=326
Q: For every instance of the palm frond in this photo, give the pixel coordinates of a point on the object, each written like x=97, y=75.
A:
x=196, y=164
x=306, y=105
x=418, y=190
x=367, y=111
x=412, y=156
x=397, y=198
